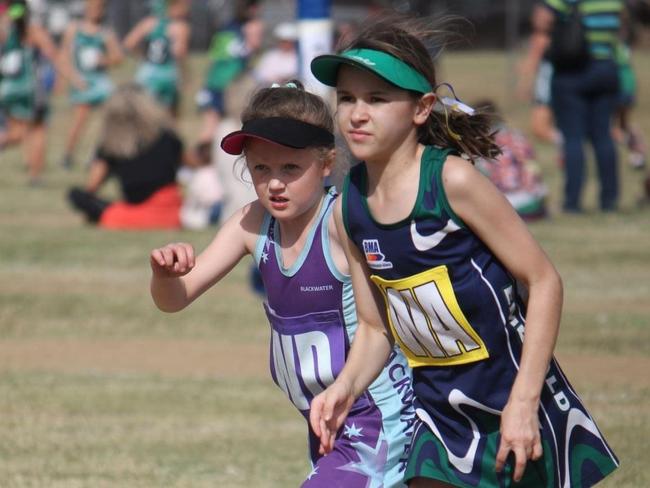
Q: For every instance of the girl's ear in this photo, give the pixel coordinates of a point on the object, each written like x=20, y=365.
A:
x=328, y=162
x=424, y=107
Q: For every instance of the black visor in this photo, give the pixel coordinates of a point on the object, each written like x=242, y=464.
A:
x=279, y=130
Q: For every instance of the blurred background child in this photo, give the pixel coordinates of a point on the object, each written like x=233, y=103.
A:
x=280, y=63
x=625, y=131
x=25, y=83
x=515, y=171
x=203, y=193
x=229, y=53
x=166, y=35
x=90, y=49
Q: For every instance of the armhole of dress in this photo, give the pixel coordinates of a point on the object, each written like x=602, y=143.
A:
x=442, y=194
x=261, y=239
x=326, y=244
x=344, y=202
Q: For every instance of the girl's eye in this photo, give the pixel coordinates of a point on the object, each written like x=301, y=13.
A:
x=343, y=99
x=377, y=100
x=259, y=167
x=291, y=167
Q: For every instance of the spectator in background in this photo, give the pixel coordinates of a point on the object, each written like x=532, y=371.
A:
x=639, y=12
x=229, y=53
x=55, y=15
x=534, y=84
x=625, y=131
x=167, y=36
x=280, y=63
x=90, y=49
x=203, y=193
x=515, y=171
x=584, y=92
x=25, y=83
x=138, y=146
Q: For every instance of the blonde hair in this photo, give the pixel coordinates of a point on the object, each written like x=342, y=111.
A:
x=292, y=101
x=132, y=120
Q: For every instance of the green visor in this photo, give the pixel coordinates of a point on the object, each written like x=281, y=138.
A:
x=396, y=72
x=17, y=11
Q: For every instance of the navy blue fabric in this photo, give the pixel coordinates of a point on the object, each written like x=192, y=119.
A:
x=583, y=104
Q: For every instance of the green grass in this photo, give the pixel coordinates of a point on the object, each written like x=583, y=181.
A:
x=90, y=425
x=135, y=430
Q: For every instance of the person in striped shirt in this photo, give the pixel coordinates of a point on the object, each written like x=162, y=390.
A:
x=584, y=94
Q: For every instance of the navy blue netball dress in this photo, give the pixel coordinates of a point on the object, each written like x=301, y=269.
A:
x=454, y=310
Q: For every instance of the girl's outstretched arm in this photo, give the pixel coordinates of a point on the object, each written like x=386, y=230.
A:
x=370, y=350
x=181, y=40
x=138, y=33
x=542, y=21
x=66, y=47
x=180, y=47
x=178, y=278
x=491, y=217
x=47, y=46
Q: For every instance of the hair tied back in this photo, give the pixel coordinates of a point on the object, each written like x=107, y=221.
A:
x=455, y=104
x=445, y=105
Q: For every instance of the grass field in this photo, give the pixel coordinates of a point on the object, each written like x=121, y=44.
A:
x=100, y=389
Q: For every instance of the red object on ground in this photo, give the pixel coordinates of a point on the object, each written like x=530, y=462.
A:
x=160, y=211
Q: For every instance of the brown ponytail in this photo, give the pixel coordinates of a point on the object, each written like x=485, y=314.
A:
x=472, y=135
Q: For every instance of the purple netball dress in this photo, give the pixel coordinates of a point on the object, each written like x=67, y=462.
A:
x=311, y=311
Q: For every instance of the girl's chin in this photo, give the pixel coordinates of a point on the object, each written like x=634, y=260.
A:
x=364, y=154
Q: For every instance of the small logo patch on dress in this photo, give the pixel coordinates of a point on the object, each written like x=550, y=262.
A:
x=374, y=257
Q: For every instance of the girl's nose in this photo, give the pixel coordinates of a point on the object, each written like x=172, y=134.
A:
x=276, y=183
x=359, y=112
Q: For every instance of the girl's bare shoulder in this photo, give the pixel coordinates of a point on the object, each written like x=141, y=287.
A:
x=457, y=171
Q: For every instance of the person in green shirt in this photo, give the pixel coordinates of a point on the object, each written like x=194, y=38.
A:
x=229, y=52
x=23, y=95
x=166, y=37
x=90, y=49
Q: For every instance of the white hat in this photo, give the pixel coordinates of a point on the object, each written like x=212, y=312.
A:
x=286, y=31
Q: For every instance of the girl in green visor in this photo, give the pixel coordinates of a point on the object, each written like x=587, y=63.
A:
x=166, y=36
x=23, y=90
x=436, y=255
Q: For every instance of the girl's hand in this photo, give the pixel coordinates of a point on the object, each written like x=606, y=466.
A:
x=519, y=435
x=173, y=260
x=328, y=411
